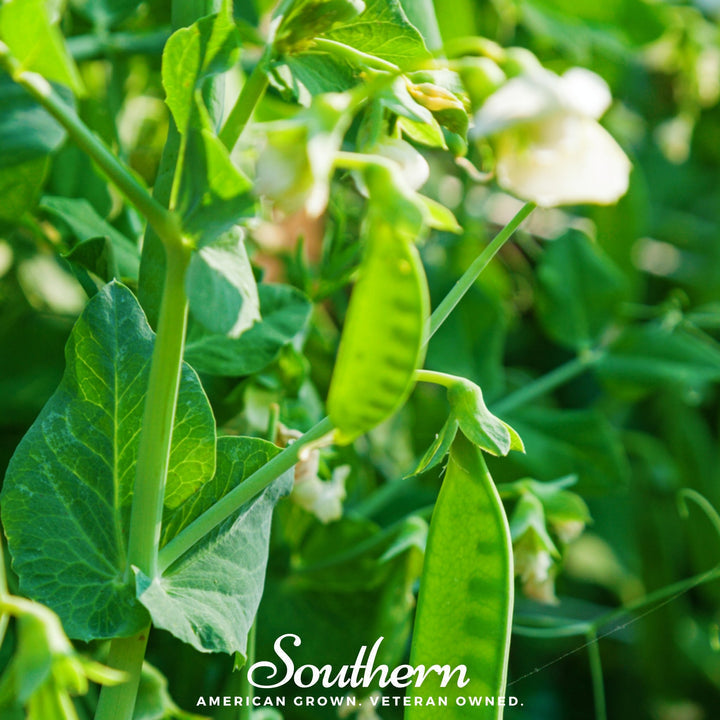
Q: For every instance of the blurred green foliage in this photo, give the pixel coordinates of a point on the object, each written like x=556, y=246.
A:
x=623, y=300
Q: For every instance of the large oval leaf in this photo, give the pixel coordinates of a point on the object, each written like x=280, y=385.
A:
x=68, y=490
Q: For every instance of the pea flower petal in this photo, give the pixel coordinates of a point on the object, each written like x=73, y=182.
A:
x=549, y=147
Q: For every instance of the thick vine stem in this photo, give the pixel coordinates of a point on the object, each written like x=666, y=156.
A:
x=158, y=418
x=117, y=702
x=165, y=223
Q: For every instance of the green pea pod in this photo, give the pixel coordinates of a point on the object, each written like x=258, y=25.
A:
x=464, y=612
x=384, y=336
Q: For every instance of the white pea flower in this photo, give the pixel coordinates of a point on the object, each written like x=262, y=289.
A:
x=542, y=592
x=533, y=563
x=322, y=498
x=295, y=165
x=549, y=147
x=568, y=530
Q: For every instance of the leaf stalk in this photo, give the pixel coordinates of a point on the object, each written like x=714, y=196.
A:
x=237, y=497
x=165, y=223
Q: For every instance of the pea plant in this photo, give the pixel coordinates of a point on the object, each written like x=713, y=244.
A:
x=198, y=391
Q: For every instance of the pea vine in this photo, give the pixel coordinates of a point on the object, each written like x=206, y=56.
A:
x=126, y=507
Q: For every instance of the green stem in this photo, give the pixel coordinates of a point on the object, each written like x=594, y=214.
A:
x=360, y=161
x=443, y=310
x=436, y=378
x=355, y=57
x=90, y=47
x=163, y=222
x=658, y=597
x=702, y=502
x=117, y=702
x=572, y=629
x=596, y=673
x=545, y=384
x=273, y=420
x=159, y=414
x=250, y=95
x=237, y=497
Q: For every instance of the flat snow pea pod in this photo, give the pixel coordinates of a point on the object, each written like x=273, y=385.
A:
x=464, y=611
x=384, y=336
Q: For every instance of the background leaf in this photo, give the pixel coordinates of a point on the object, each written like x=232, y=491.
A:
x=86, y=224
x=579, y=290
x=563, y=442
x=221, y=287
x=285, y=312
x=26, y=28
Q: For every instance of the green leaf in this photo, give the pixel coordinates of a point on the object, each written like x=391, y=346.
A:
x=565, y=442
x=20, y=187
x=421, y=14
x=86, y=224
x=36, y=42
x=154, y=701
x=437, y=216
x=45, y=667
x=221, y=287
x=105, y=14
x=306, y=19
x=654, y=356
x=464, y=612
x=313, y=73
x=94, y=256
x=208, y=47
x=285, y=313
x=579, y=290
x=28, y=132
x=68, y=488
x=214, y=194
x=383, y=341
x=477, y=423
x=208, y=598
x=354, y=554
x=29, y=136
x=430, y=134
x=439, y=448
x=383, y=30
